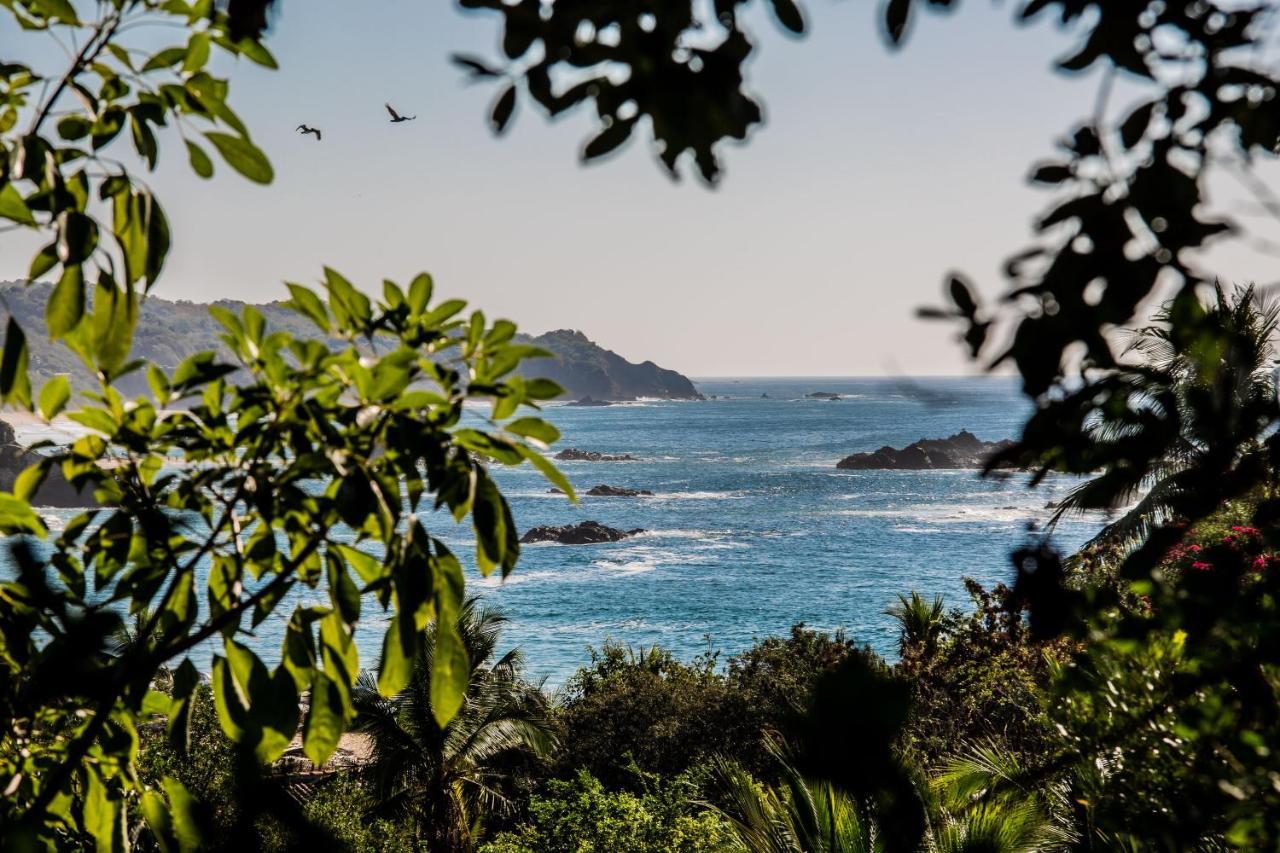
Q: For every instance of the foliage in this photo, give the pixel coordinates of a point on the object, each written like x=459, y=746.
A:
x=447, y=777
x=806, y=815
x=643, y=706
x=985, y=680
x=1249, y=324
x=581, y=816
x=320, y=469
x=920, y=624
x=342, y=807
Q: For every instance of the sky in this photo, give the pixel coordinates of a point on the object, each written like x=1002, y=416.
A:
x=875, y=174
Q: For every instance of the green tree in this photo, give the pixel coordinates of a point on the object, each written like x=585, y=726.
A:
x=1240, y=369
x=448, y=778
x=920, y=623
x=317, y=468
x=805, y=815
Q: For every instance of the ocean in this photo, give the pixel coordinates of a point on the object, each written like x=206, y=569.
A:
x=751, y=527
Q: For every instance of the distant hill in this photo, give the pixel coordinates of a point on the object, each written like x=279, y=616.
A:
x=169, y=331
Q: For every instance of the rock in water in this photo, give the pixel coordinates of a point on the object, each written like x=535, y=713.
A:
x=589, y=401
x=824, y=395
x=962, y=450
x=583, y=533
x=573, y=454
x=603, y=491
x=55, y=491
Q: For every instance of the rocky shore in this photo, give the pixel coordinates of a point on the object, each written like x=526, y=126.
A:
x=582, y=533
x=55, y=491
x=962, y=450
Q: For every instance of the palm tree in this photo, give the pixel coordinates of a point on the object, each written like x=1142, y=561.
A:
x=448, y=778
x=1218, y=384
x=920, y=623
x=803, y=816
x=967, y=811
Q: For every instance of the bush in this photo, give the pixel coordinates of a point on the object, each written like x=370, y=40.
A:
x=581, y=816
x=645, y=707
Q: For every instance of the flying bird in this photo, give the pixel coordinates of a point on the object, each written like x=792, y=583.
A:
x=304, y=130
x=396, y=118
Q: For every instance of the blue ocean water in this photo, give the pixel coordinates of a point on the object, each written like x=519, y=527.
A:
x=751, y=527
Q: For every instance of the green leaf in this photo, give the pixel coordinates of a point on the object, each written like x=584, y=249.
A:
x=185, y=680
x=367, y=567
x=57, y=9
x=13, y=207
x=243, y=156
x=77, y=237
x=398, y=650
x=103, y=816
x=54, y=396
x=197, y=53
x=166, y=58
x=200, y=162
x=256, y=53
x=325, y=720
x=420, y=293
x=183, y=809
x=343, y=592
x=542, y=389
x=307, y=303
x=14, y=382
x=450, y=667
x=157, y=816
x=535, y=428
x=65, y=307
x=115, y=316
x=27, y=482
x=74, y=127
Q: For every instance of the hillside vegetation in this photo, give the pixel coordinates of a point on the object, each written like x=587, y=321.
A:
x=169, y=331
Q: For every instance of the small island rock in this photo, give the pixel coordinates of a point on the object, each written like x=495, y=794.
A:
x=603, y=491
x=573, y=454
x=589, y=401
x=962, y=450
x=582, y=533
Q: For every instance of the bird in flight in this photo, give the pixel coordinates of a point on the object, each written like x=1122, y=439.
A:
x=396, y=117
x=303, y=129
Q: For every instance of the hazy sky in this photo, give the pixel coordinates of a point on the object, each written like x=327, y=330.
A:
x=874, y=175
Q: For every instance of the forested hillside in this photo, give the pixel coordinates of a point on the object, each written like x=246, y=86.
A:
x=169, y=331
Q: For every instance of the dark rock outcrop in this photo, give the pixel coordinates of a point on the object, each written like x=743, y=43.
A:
x=603, y=491
x=824, y=395
x=962, y=450
x=589, y=401
x=573, y=454
x=582, y=533
x=55, y=491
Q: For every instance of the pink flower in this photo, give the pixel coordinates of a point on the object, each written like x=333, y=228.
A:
x=1201, y=566
x=1195, y=549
